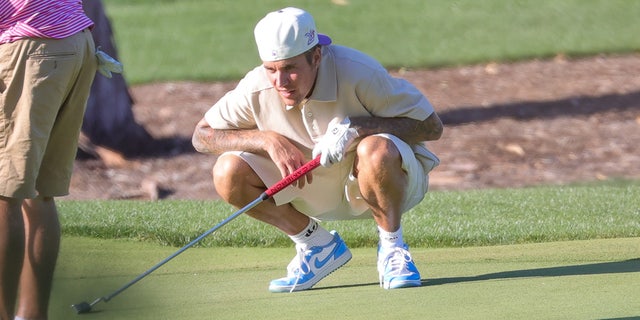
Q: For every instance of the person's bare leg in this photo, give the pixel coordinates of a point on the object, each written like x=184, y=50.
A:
x=42, y=231
x=238, y=185
x=381, y=180
x=382, y=183
x=11, y=251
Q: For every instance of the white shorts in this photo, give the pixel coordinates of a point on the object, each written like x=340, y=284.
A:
x=334, y=193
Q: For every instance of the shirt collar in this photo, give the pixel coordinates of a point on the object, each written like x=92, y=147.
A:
x=326, y=88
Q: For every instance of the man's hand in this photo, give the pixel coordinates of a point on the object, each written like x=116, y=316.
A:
x=336, y=141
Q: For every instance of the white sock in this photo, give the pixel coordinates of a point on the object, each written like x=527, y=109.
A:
x=390, y=239
x=311, y=236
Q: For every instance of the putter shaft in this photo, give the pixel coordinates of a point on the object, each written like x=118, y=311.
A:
x=85, y=307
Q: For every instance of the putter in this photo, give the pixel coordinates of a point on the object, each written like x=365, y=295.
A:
x=85, y=307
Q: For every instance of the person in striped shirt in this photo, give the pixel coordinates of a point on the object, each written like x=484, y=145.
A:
x=47, y=65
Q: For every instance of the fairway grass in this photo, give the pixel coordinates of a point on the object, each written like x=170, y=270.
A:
x=200, y=40
x=587, y=279
x=444, y=219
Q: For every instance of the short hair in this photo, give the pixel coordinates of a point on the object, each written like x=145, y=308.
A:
x=309, y=53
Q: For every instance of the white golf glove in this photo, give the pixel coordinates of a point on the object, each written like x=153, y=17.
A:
x=107, y=64
x=335, y=142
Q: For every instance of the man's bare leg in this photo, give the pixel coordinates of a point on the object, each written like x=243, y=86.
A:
x=381, y=180
x=238, y=185
x=42, y=231
x=11, y=253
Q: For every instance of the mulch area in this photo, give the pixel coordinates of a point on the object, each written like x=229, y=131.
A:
x=507, y=125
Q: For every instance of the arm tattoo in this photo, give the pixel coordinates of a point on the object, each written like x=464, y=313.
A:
x=215, y=141
x=407, y=129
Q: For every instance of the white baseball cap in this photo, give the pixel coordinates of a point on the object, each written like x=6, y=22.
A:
x=286, y=33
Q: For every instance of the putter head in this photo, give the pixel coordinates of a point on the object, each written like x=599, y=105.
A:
x=82, y=307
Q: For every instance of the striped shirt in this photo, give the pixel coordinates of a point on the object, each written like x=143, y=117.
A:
x=55, y=19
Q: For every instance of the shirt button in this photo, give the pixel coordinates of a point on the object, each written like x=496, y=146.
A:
x=309, y=114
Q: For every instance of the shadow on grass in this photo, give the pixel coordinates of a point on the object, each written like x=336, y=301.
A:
x=626, y=266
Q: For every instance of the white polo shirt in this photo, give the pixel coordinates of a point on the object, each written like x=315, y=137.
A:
x=350, y=83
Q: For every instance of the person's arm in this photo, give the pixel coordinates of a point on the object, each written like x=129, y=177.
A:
x=407, y=129
x=216, y=141
x=286, y=156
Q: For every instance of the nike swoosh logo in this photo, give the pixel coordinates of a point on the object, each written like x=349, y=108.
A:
x=318, y=264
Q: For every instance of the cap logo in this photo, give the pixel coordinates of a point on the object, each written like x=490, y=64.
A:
x=311, y=35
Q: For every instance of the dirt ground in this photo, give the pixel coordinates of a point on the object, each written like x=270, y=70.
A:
x=506, y=125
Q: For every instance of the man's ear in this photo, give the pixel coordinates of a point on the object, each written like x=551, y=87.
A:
x=317, y=56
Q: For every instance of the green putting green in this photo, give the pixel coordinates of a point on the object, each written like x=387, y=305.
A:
x=592, y=279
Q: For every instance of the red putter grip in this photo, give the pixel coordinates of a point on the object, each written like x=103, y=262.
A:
x=286, y=181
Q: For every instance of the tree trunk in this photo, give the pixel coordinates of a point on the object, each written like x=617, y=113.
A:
x=109, y=128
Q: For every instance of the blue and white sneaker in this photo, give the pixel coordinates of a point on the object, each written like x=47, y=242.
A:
x=397, y=269
x=311, y=265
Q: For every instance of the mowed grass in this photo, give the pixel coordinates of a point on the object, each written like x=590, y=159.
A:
x=483, y=254
x=443, y=219
x=585, y=279
x=166, y=40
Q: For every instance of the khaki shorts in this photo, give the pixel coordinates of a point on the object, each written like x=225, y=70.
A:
x=44, y=88
x=334, y=193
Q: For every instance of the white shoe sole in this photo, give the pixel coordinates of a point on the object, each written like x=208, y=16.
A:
x=322, y=273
